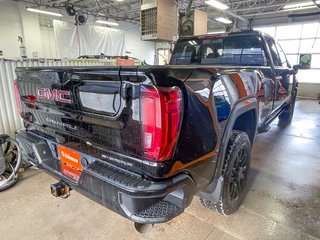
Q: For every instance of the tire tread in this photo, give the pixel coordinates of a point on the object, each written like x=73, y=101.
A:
x=218, y=206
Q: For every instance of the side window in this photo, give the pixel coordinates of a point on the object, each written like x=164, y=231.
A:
x=282, y=56
x=189, y=53
x=274, y=52
x=208, y=52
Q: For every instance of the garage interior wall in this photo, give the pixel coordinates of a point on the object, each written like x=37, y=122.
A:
x=10, y=28
x=296, y=39
x=72, y=41
x=38, y=33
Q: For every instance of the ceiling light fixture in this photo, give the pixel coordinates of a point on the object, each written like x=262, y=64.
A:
x=44, y=12
x=107, y=23
x=217, y=32
x=297, y=9
x=300, y=5
x=223, y=20
x=217, y=4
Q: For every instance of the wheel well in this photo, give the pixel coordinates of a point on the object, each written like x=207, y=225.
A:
x=247, y=122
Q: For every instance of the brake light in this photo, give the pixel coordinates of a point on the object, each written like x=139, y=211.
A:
x=16, y=93
x=161, y=113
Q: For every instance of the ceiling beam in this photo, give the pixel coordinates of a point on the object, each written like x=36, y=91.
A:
x=232, y=14
x=262, y=7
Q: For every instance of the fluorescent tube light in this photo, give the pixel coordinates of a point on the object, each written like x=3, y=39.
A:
x=192, y=42
x=217, y=32
x=223, y=20
x=44, y=12
x=107, y=23
x=297, y=9
x=217, y=4
x=300, y=5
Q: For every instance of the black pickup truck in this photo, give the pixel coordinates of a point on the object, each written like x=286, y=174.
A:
x=143, y=140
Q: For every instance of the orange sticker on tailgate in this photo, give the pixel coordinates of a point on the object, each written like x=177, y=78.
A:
x=70, y=172
x=70, y=157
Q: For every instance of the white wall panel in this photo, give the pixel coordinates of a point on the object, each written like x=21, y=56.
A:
x=9, y=117
x=10, y=29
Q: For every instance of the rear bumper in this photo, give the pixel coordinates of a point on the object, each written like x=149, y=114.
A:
x=130, y=195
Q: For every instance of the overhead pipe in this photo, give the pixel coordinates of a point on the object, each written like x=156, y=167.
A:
x=188, y=10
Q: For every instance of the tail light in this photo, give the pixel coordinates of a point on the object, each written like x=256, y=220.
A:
x=16, y=93
x=161, y=114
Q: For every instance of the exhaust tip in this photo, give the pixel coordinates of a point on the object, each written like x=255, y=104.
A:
x=143, y=228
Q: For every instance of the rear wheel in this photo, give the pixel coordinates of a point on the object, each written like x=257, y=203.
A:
x=235, y=173
x=286, y=116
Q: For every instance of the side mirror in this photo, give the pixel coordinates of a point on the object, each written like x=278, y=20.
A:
x=300, y=66
x=304, y=62
x=295, y=68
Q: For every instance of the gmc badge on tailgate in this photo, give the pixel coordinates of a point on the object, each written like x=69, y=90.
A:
x=54, y=94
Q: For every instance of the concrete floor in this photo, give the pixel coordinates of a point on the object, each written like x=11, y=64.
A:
x=283, y=202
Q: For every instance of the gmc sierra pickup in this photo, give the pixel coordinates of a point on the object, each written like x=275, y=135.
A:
x=142, y=141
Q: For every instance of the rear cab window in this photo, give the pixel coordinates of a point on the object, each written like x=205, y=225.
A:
x=224, y=50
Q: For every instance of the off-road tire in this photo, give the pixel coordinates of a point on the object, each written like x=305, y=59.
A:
x=239, y=141
x=286, y=116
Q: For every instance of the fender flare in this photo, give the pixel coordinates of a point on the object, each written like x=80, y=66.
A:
x=213, y=191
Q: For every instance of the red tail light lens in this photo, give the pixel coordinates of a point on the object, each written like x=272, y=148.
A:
x=16, y=93
x=161, y=113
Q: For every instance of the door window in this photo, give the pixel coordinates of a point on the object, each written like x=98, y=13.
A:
x=274, y=52
x=282, y=56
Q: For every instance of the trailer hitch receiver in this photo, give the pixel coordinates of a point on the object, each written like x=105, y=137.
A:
x=60, y=189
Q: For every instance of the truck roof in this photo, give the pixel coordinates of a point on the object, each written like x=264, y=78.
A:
x=238, y=33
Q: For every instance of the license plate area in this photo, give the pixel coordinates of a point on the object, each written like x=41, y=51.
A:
x=70, y=163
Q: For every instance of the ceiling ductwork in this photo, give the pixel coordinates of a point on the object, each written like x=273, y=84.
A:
x=159, y=20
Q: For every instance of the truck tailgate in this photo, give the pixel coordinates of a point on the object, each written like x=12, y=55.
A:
x=84, y=109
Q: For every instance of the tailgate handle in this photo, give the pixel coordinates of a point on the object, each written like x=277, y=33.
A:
x=102, y=89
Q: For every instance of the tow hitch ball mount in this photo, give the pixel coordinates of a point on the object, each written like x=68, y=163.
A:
x=60, y=189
